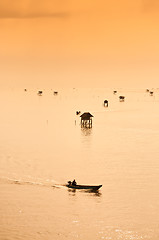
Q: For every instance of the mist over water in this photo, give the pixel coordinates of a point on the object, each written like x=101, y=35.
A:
x=42, y=146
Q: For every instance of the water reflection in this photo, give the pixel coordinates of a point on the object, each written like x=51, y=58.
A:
x=72, y=192
x=95, y=193
x=86, y=137
x=86, y=131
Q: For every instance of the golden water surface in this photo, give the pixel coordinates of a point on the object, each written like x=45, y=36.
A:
x=42, y=146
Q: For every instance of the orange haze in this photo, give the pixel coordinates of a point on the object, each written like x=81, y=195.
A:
x=79, y=43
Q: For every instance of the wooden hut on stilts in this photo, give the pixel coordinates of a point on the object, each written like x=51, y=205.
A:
x=86, y=120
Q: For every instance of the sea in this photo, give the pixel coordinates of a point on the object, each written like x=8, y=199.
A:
x=42, y=146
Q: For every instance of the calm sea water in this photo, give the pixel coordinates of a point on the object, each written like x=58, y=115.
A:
x=42, y=146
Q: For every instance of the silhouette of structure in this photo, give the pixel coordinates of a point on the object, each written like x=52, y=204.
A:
x=105, y=103
x=86, y=120
x=114, y=92
x=78, y=112
x=121, y=98
x=40, y=93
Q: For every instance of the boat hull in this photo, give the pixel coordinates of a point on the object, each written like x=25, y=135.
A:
x=84, y=187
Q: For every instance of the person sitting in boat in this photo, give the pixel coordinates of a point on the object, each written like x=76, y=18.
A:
x=74, y=182
x=69, y=183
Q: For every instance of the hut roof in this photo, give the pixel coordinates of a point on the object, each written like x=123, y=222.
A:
x=86, y=116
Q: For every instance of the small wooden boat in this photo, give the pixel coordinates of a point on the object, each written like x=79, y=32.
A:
x=89, y=187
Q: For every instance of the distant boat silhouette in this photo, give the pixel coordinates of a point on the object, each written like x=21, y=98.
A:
x=121, y=98
x=76, y=186
x=40, y=93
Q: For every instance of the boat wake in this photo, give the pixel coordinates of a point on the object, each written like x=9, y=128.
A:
x=49, y=183
x=31, y=181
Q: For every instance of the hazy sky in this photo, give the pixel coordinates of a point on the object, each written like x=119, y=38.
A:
x=59, y=43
